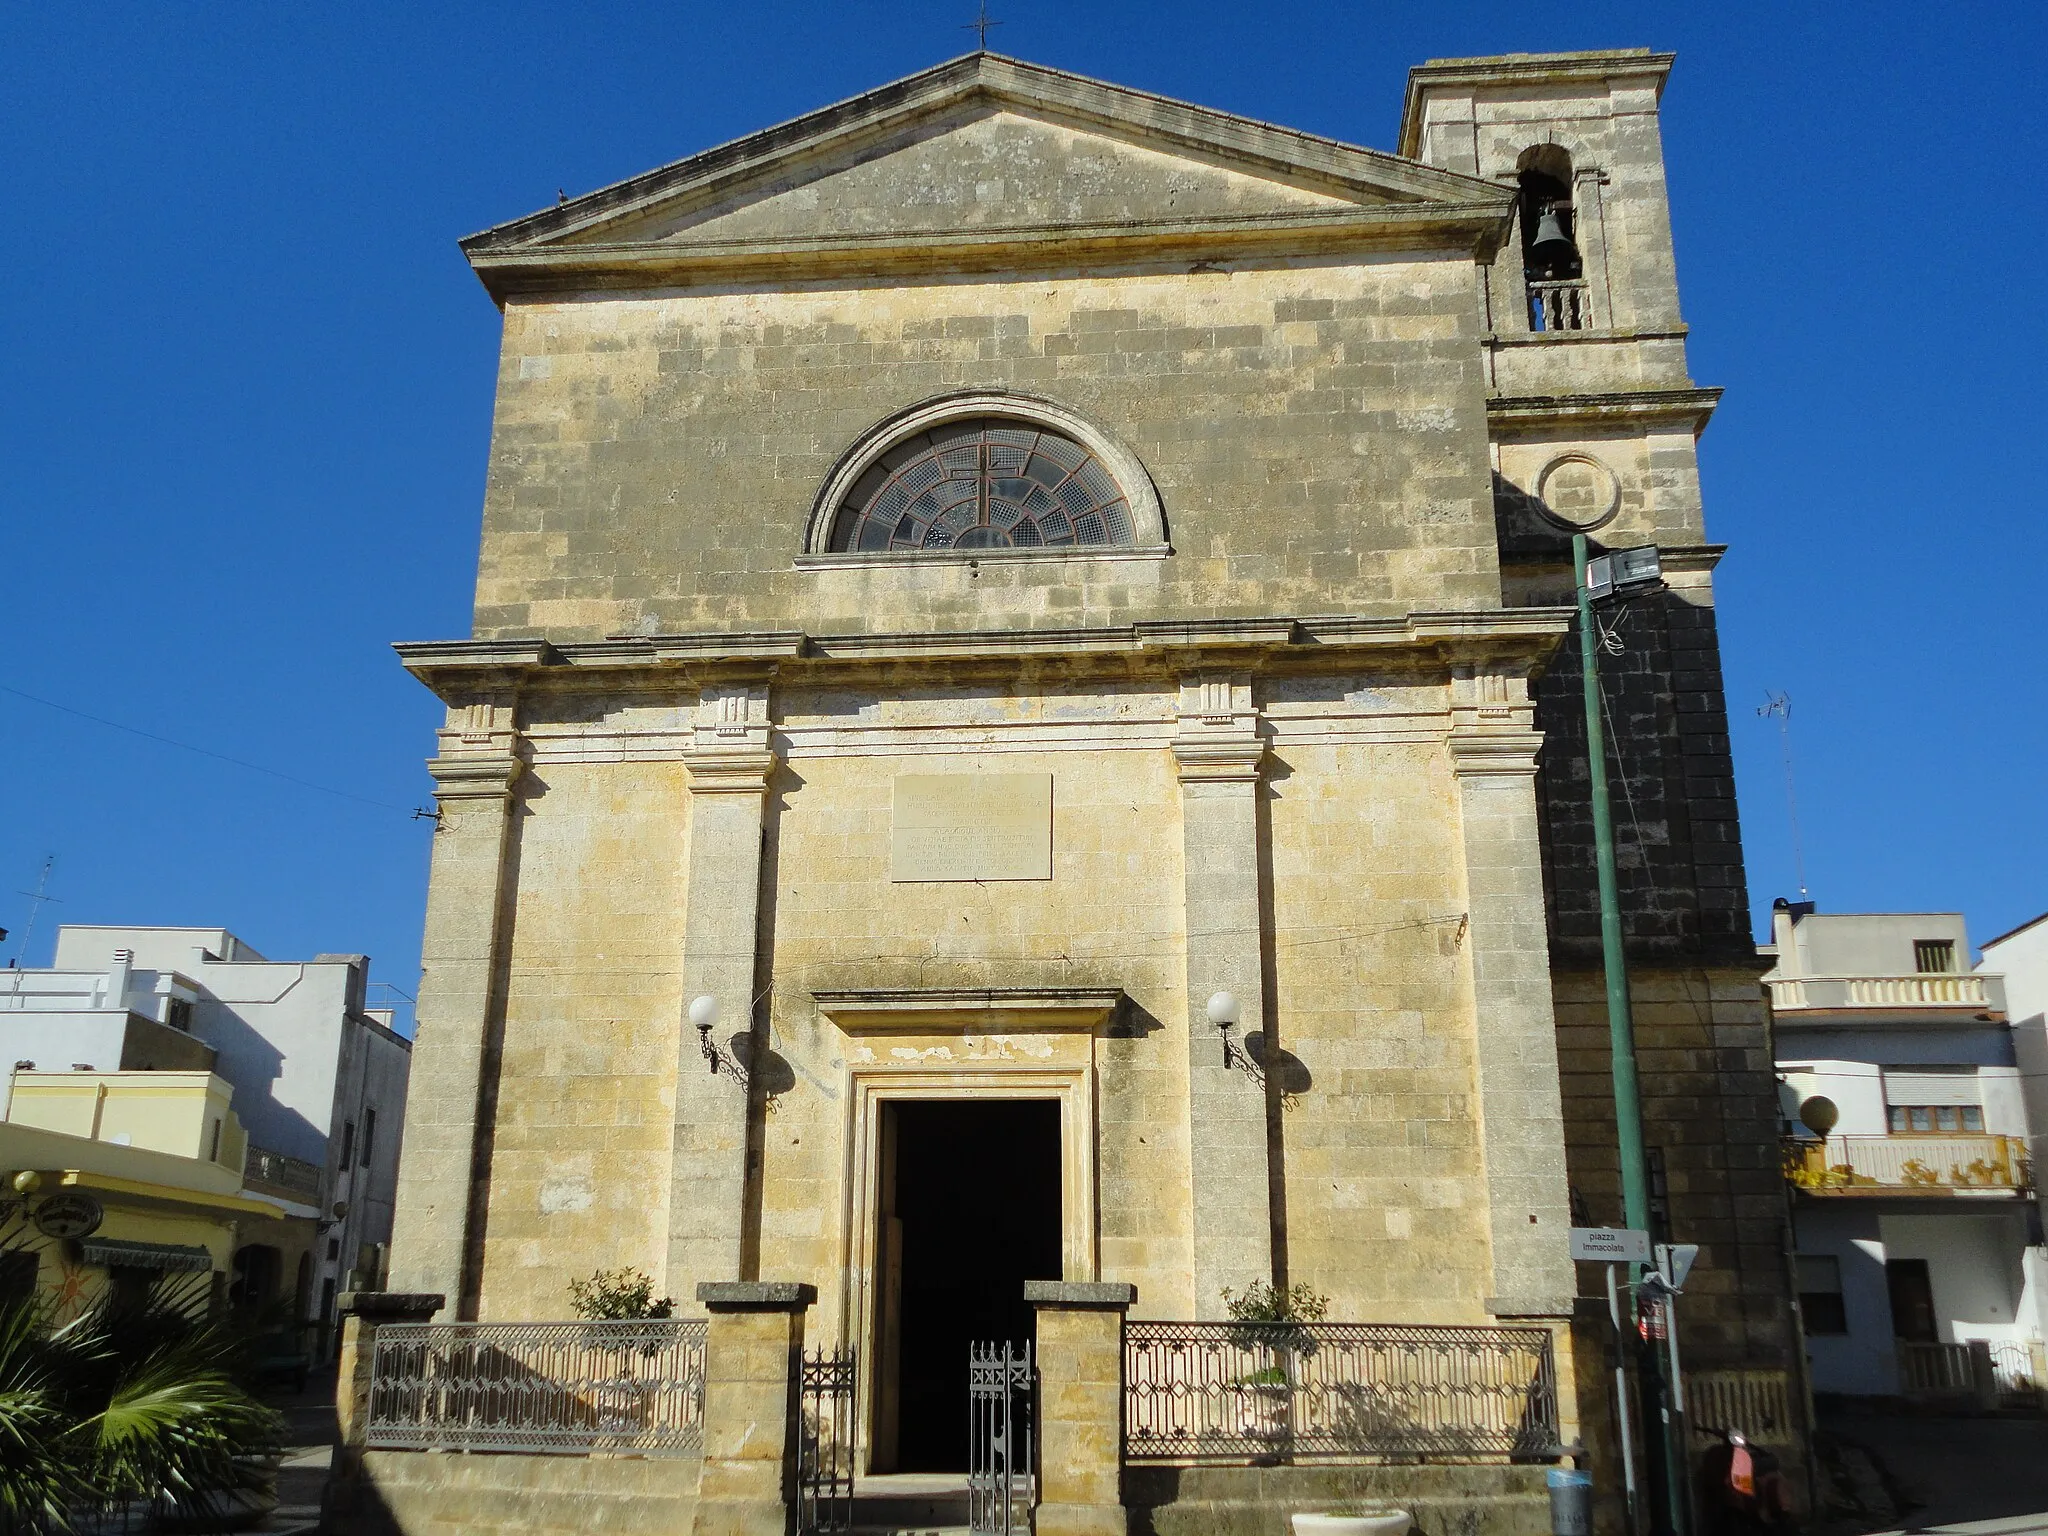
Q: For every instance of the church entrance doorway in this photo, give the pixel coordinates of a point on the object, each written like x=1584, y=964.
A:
x=970, y=1209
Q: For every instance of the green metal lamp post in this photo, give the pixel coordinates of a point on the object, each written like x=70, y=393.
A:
x=1621, y=1034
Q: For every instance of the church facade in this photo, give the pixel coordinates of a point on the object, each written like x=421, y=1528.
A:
x=1021, y=724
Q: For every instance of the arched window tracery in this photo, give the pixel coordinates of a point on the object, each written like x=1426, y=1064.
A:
x=984, y=482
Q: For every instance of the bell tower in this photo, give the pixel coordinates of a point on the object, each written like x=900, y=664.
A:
x=1594, y=423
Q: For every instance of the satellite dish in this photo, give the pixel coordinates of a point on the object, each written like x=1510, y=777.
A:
x=1819, y=1114
x=340, y=1209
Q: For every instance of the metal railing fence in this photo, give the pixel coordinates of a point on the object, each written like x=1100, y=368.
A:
x=825, y=1447
x=1259, y=1391
x=292, y=1177
x=1002, y=1438
x=565, y=1388
x=1908, y=1162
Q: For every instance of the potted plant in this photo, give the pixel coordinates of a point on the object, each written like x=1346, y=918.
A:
x=1276, y=1329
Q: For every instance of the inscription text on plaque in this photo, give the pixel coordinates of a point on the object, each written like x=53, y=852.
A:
x=972, y=826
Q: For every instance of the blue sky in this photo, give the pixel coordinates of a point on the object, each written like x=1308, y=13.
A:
x=247, y=390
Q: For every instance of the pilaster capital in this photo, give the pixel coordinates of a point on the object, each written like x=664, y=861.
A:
x=735, y=770
x=1502, y=752
x=1218, y=741
x=1487, y=698
x=480, y=727
x=1219, y=760
x=474, y=775
x=732, y=714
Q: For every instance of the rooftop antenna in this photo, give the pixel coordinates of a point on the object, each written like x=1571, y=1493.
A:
x=1780, y=704
x=36, y=899
x=979, y=27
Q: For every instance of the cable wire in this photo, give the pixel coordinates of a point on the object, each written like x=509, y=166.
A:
x=220, y=757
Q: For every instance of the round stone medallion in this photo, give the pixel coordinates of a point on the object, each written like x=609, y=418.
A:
x=1578, y=492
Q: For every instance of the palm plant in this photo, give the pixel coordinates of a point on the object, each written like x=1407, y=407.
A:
x=136, y=1402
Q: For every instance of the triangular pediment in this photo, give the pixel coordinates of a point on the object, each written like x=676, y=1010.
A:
x=977, y=167
x=980, y=148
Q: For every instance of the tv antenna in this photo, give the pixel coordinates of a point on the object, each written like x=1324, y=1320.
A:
x=36, y=899
x=1780, y=705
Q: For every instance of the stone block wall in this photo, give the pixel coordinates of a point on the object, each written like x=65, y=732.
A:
x=1316, y=433
x=418, y=1493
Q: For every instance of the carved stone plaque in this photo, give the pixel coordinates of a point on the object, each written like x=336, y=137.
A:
x=972, y=826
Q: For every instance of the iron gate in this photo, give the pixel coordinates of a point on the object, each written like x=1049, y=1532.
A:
x=825, y=1450
x=1002, y=1466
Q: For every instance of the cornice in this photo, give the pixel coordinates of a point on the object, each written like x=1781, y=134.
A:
x=1522, y=637
x=1470, y=229
x=1524, y=69
x=1634, y=407
x=988, y=1010
x=1502, y=339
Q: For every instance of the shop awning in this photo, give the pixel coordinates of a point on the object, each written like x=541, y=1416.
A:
x=112, y=1251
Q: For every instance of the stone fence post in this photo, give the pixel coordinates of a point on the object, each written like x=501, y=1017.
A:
x=362, y=1314
x=1080, y=1405
x=753, y=1374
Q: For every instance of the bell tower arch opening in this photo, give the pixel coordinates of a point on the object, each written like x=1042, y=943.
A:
x=1552, y=268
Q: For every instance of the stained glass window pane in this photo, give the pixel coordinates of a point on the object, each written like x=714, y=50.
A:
x=984, y=483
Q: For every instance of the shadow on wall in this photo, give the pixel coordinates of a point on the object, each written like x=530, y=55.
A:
x=253, y=1065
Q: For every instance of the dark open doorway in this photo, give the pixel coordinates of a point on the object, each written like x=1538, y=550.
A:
x=970, y=1210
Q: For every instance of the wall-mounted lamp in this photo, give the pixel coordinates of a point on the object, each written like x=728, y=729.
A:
x=704, y=1014
x=1224, y=1012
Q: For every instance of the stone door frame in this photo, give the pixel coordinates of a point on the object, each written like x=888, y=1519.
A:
x=871, y=1085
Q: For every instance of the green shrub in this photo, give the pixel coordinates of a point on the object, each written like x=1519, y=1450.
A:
x=618, y=1294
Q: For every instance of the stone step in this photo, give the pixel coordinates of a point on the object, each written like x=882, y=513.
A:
x=910, y=1502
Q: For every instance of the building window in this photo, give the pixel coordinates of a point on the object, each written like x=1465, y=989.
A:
x=178, y=1013
x=1934, y=957
x=983, y=483
x=1820, y=1293
x=213, y=1152
x=369, y=1136
x=348, y=1144
x=1909, y=1118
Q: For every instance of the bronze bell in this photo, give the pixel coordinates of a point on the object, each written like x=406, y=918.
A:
x=1551, y=247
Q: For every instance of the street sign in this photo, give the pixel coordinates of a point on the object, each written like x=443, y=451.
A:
x=1611, y=1245
x=1676, y=1261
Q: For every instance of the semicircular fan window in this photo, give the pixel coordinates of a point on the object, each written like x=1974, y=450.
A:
x=984, y=483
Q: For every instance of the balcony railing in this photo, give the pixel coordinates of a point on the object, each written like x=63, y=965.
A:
x=1559, y=306
x=1990, y=1373
x=1930, y=991
x=568, y=1388
x=1941, y=1165
x=1343, y=1391
x=289, y=1178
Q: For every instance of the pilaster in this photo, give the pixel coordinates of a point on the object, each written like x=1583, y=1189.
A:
x=730, y=763
x=753, y=1361
x=1219, y=750
x=1081, y=1406
x=361, y=1314
x=475, y=774
x=1493, y=748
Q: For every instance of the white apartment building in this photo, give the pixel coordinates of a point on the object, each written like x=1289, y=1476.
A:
x=318, y=1078
x=1918, y=1236
x=2021, y=956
